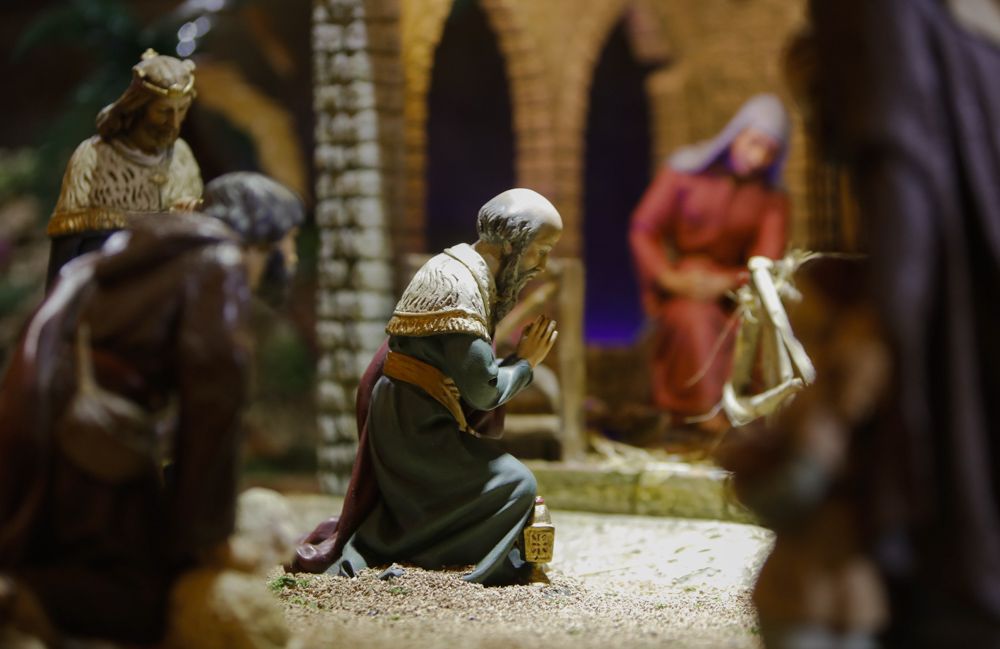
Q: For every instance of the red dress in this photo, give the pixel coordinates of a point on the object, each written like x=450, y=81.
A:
x=713, y=222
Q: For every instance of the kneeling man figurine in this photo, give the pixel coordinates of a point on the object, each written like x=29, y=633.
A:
x=426, y=488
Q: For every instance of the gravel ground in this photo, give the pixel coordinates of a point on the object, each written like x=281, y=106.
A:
x=432, y=610
x=617, y=581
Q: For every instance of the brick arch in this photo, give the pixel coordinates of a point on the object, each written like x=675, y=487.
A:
x=422, y=29
x=572, y=106
x=531, y=97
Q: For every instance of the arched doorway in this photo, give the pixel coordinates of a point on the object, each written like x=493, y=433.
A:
x=470, y=141
x=617, y=170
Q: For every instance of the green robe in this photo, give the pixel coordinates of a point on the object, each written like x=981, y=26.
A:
x=447, y=497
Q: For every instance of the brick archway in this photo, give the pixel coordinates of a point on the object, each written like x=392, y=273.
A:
x=645, y=30
x=531, y=96
x=373, y=65
x=422, y=28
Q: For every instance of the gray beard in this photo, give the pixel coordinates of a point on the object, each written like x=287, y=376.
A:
x=509, y=285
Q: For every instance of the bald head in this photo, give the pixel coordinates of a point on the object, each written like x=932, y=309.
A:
x=511, y=220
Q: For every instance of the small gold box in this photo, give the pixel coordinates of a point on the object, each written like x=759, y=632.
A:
x=540, y=535
x=539, y=539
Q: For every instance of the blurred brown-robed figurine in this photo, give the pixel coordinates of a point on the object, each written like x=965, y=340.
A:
x=882, y=479
x=136, y=164
x=137, y=357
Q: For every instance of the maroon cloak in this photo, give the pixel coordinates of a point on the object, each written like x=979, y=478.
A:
x=323, y=545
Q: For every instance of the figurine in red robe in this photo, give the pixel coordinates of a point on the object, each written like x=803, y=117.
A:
x=711, y=207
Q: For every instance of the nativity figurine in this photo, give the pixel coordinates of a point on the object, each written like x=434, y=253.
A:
x=120, y=415
x=136, y=164
x=712, y=207
x=427, y=489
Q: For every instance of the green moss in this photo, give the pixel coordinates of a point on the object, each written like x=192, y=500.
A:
x=282, y=582
x=285, y=365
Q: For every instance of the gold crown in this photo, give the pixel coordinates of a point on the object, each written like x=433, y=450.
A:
x=175, y=90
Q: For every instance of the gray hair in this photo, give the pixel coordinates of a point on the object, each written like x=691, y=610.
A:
x=513, y=218
x=505, y=220
x=259, y=209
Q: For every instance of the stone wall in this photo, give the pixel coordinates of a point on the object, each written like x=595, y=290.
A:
x=359, y=121
x=373, y=61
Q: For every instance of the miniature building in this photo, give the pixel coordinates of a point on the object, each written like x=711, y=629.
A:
x=386, y=74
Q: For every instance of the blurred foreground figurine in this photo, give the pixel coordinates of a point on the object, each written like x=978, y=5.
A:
x=425, y=488
x=136, y=164
x=709, y=210
x=137, y=359
x=817, y=589
x=908, y=100
x=885, y=499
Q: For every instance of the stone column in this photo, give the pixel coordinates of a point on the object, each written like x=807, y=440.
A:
x=358, y=91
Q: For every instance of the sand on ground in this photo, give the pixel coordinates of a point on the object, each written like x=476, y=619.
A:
x=617, y=581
